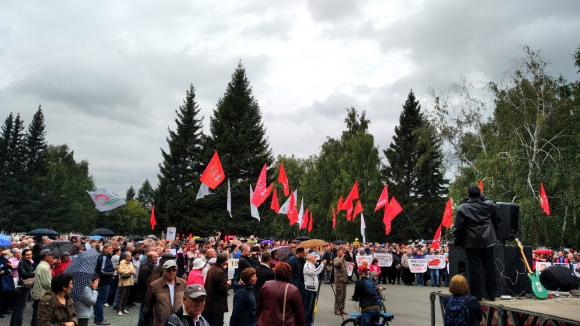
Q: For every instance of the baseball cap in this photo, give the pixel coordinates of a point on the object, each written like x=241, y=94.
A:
x=195, y=291
x=170, y=263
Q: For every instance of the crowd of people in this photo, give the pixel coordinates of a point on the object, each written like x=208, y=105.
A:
x=186, y=282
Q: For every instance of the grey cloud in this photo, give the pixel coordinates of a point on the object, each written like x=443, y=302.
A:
x=332, y=10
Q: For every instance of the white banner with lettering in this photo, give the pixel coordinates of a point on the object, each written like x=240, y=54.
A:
x=361, y=258
x=232, y=266
x=385, y=259
x=418, y=265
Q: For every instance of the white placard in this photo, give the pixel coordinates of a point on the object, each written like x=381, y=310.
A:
x=385, y=259
x=541, y=265
x=435, y=261
x=171, y=233
x=418, y=265
x=349, y=268
x=232, y=266
x=361, y=258
x=577, y=269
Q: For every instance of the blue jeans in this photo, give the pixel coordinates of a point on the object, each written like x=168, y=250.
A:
x=419, y=279
x=309, y=302
x=101, y=299
x=370, y=318
x=434, y=273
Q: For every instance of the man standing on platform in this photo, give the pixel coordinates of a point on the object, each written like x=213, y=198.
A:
x=475, y=223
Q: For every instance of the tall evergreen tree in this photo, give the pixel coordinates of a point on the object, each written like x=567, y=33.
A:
x=181, y=167
x=4, y=141
x=145, y=193
x=36, y=145
x=414, y=172
x=130, y=194
x=238, y=134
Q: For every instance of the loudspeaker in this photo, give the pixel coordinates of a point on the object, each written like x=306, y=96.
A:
x=508, y=215
x=511, y=271
x=559, y=278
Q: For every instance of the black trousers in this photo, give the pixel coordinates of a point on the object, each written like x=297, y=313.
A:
x=481, y=270
x=22, y=294
x=214, y=319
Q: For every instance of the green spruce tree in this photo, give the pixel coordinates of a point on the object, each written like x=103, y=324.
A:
x=181, y=168
x=414, y=173
x=145, y=193
x=130, y=194
x=36, y=145
x=239, y=136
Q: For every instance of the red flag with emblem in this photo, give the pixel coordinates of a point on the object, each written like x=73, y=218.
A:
x=352, y=196
x=275, y=206
x=480, y=186
x=152, y=220
x=261, y=191
x=383, y=199
x=544, y=200
x=292, y=211
x=391, y=212
x=447, y=221
x=213, y=175
x=310, y=223
x=283, y=180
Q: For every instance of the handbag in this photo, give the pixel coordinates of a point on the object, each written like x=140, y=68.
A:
x=28, y=283
x=284, y=307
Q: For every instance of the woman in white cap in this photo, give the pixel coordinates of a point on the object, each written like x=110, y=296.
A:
x=196, y=274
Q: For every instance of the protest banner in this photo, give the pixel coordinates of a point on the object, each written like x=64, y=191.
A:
x=541, y=265
x=577, y=269
x=384, y=259
x=349, y=268
x=435, y=261
x=418, y=265
x=232, y=266
x=361, y=258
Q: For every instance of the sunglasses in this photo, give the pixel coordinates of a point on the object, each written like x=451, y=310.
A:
x=171, y=270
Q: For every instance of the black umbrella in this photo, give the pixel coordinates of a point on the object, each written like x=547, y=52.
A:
x=82, y=268
x=135, y=237
x=339, y=242
x=59, y=247
x=103, y=232
x=201, y=240
x=302, y=238
x=43, y=232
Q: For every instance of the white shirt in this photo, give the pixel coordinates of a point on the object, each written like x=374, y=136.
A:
x=311, y=276
x=171, y=292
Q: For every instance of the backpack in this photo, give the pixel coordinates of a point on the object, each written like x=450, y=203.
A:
x=457, y=313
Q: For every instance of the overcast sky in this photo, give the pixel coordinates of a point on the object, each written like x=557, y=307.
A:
x=110, y=74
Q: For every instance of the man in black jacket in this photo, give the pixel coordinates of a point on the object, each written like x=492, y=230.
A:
x=105, y=270
x=263, y=271
x=475, y=223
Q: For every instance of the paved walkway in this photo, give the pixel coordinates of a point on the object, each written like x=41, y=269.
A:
x=410, y=304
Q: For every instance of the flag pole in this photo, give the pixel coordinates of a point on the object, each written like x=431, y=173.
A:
x=413, y=225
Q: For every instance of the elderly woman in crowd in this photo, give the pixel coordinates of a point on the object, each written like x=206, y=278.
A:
x=56, y=307
x=244, y=311
x=25, y=282
x=126, y=271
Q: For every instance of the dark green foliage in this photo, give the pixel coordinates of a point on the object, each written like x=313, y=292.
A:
x=145, y=193
x=36, y=145
x=414, y=173
x=130, y=194
x=182, y=165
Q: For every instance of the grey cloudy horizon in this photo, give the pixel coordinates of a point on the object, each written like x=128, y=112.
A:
x=110, y=75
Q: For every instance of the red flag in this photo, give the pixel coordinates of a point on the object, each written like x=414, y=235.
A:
x=275, y=206
x=283, y=180
x=152, y=219
x=352, y=196
x=261, y=190
x=334, y=218
x=304, y=223
x=358, y=209
x=292, y=211
x=340, y=204
x=349, y=214
x=480, y=186
x=436, y=244
x=189, y=237
x=447, y=221
x=544, y=200
x=383, y=199
x=310, y=223
x=213, y=174
x=392, y=211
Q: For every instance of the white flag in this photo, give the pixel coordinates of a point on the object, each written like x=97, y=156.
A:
x=284, y=208
x=106, y=201
x=363, y=228
x=301, y=212
x=202, y=192
x=229, y=200
x=253, y=209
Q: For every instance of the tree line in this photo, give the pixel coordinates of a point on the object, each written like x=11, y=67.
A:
x=527, y=136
